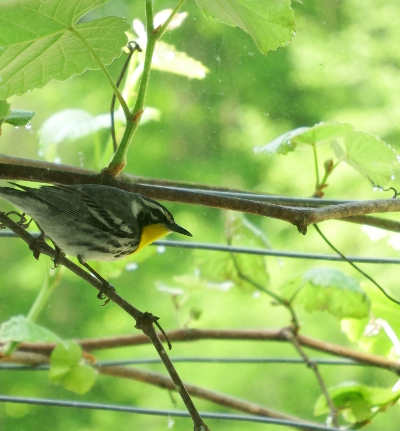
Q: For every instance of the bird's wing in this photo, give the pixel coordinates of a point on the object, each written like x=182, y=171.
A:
x=77, y=203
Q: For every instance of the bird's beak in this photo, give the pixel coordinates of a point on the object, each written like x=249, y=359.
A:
x=178, y=229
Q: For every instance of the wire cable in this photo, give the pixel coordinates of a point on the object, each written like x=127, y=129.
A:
x=159, y=412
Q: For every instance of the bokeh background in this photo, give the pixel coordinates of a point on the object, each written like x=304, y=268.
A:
x=342, y=65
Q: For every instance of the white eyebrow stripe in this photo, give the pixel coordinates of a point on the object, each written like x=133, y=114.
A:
x=151, y=204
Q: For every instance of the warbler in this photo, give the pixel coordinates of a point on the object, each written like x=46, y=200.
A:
x=94, y=222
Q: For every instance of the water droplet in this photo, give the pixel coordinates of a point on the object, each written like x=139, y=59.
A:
x=28, y=126
x=161, y=249
x=375, y=189
x=57, y=160
x=392, y=177
x=16, y=127
x=256, y=294
x=133, y=266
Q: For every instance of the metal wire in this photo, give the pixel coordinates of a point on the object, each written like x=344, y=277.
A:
x=157, y=412
x=258, y=196
x=339, y=362
x=255, y=251
x=277, y=253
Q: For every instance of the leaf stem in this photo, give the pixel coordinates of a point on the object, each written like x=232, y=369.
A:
x=97, y=59
x=258, y=286
x=163, y=28
x=328, y=173
x=391, y=298
x=119, y=160
x=46, y=290
x=316, y=167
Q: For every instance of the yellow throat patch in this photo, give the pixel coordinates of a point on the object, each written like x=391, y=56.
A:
x=151, y=233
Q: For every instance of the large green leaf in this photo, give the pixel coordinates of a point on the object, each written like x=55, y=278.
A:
x=367, y=154
x=328, y=289
x=38, y=44
x=19, y=329
x=270, y=24
x=357, y=402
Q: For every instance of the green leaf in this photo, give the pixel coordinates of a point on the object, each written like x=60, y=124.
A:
x=320, y=134
x=220, y=272
x=357, y=402
x=66, y=368
x=368, y=155
x=368, y=334
x=270, y=24
x=4, y=109
x=168, y=59
x=80, y=379
x=18, y=117
x=39, y=46
x=283, y=144
x=72, y=124
x=19, y=329
x=328, y=289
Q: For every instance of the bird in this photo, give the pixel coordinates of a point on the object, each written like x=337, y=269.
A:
x=93, y=221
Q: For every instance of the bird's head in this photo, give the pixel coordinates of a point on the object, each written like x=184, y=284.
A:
x=155, y=220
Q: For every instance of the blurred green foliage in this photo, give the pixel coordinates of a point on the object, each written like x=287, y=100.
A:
x=342, y=65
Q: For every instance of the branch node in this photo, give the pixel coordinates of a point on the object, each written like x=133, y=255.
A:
x=145, y=323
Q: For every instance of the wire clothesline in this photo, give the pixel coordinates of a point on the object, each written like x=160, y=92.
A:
x=163, y=412
x=256, y=251
x=145, y=361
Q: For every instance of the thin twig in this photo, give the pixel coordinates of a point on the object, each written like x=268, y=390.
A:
x=191, y=334
x=258, y=286
x=292, y=337
x=355, y=266
x=23, y=169
x=164, y=382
